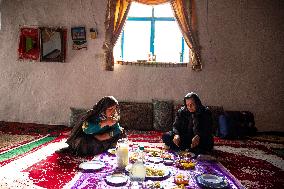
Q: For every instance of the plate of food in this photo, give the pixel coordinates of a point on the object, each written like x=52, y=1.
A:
x=167, y=156
x=133, y=157
x=186, y=154
x=153, y=172
x=185, y=164
x=157, y=172
x=151, y=150
x=92, y=165
x=169, y=162
x=112, y=151
x=116, y=179
x=181, y=179
x=212, y=181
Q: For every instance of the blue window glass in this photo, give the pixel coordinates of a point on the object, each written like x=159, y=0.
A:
x=151, y=30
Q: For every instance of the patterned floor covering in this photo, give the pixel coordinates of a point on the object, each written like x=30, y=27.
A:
x=254, y=163
x=8, y=141
x=42, y=168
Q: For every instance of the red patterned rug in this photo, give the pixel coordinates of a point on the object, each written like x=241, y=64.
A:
x=9, y=141
x=254, y=163
x=32, y=128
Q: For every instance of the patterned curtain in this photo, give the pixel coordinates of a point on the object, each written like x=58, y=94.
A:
x=116, y=14
x=184, y=12
x=151, y=2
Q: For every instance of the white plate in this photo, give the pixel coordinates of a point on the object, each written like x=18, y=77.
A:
x=116, y=179
x=212, y=181
x=155, y=159
x=168, y=161
x=166, y=172
x=92, y=165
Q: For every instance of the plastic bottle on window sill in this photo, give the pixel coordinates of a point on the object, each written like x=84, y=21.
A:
x=150, y=58
x=119, y=60
x=154, y=58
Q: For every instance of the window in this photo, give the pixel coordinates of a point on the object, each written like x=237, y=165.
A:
x=151, y=30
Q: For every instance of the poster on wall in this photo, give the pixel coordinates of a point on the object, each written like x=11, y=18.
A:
x=29, y=48
x=79, y=38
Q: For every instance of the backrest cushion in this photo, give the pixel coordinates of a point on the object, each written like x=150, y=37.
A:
x=163, y=115
x=136, y=116
x=75, y=114
x=216, y=112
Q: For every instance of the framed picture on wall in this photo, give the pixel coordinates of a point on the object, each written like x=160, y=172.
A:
x=29, y=47
x=78, y=33
x=52, y=44
x=79, y=38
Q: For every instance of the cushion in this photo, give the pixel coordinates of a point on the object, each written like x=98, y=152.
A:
x=177, y=106
x=75, y=115
x=216, y=112
x=136, y=116
x=226, y=128
x=163, y=115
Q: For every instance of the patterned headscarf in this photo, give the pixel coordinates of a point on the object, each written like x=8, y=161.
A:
x=100, y=107
x=196, y=99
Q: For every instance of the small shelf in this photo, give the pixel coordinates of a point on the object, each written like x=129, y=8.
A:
x=153, y=64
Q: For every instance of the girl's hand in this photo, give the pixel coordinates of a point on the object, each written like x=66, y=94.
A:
x=195, y=141
x=108, y=122
x=176, y=140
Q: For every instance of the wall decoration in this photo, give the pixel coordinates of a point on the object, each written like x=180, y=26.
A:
x=29, y=48
x=79, y=38
x=93, y=33
x=52, y=44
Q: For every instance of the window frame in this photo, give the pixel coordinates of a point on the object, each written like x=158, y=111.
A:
x=153, y=20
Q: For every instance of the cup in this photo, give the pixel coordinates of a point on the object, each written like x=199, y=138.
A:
x=122, y=153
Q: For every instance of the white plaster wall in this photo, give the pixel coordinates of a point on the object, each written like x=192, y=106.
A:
x=242, y=51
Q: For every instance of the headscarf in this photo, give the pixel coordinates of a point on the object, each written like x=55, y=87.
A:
x=196, y=99
x=98, y=109
x=101, y=106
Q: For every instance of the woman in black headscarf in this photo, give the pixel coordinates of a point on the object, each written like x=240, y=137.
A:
x=96, y=131
x=192, y=128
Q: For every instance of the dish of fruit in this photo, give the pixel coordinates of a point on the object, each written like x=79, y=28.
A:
x=167, y=156
x=181, y=179
x=185, y=154
x=185, y=164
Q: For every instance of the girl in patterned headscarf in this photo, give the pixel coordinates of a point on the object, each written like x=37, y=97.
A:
x=97, y=130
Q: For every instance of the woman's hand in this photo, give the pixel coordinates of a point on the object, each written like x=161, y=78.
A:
x=195, y=141
x=176, y=140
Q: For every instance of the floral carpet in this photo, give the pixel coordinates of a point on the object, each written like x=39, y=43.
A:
x=33, y=163
x=255, y=164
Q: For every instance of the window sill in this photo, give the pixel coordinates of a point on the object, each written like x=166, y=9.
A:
x=153, y=64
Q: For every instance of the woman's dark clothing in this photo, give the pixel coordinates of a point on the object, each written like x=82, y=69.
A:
x=81, y=143
x=189, y=124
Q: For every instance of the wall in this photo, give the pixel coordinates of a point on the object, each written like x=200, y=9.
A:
x=242, y=51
